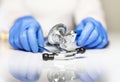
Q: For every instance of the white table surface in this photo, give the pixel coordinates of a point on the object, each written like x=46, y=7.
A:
x=107, y=60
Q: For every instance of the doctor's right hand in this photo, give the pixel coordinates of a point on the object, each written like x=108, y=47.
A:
x=26, y=34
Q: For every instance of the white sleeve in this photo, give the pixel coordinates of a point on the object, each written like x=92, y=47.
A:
x=89, y=8
x=10, y=10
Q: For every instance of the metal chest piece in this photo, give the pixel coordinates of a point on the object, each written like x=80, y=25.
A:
x=64, y=42
x=57, y=35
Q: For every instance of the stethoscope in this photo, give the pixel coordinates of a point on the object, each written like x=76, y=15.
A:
x=64, y=43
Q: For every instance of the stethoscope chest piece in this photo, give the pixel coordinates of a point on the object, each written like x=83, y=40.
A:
x=64, y=42
x=56, y=34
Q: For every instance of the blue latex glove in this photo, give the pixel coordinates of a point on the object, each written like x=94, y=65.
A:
x=26, y=34
x=91, y=34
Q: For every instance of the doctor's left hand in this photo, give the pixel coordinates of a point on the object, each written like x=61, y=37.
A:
x=26, y=34
x=91, y=34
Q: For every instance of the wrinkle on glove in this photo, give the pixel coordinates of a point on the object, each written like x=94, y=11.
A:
x=91, y=34
x=26, y=34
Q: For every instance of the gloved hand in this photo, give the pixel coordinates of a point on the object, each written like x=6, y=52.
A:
x=26, y=34
x=91, y=34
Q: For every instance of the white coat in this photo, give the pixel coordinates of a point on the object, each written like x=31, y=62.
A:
x=50, y=12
